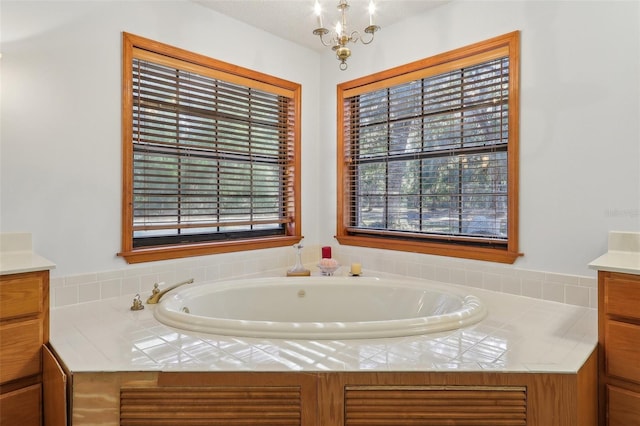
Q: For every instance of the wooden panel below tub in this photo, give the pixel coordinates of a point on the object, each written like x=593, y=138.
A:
x=332, y=398
x=551, y=399
x=429, y=405
x=223, y=405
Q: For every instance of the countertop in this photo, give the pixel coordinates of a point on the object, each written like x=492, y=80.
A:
x=15, y=262
x=519, y=335
x=623, y=254
x=17, y=256
x=626, y=262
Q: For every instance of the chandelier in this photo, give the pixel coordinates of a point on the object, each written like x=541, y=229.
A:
x=342, y=37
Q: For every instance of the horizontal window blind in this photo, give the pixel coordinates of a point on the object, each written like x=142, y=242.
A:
x=427, y=158
x=212, y=159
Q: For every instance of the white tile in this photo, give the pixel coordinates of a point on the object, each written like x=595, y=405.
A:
x=531, y=275
x=577, y=295
x=562, y=278
x=553, y=291
x=66, y=296
x=492, y=282
x=110, y=275
x=593, y=298
x=458, y=276
x=131, y=285
x=137, y=271
x=414, y=269
x=168, y=277
x=532, y=288
x=428, y=272
x=511, y=285
x=443, y=274
x=81, y=279
x=56, y=282
x=588, y=282
x=474, y=278
x=110, y=288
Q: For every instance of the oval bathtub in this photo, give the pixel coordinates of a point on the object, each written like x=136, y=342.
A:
x=319, y=308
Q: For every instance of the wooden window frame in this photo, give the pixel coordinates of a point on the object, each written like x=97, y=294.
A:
x=134, y=46
x=452, y=246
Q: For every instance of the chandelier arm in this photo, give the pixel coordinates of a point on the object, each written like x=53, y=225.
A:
x=321, y=32
x=371, y=29
x=324, y=43
x=367, y=42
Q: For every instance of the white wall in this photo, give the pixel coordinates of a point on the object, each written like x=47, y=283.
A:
x=61, y=143
x=580, y=113
x=60, y=117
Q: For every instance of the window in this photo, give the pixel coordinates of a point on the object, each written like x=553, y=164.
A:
x=428, y=155
x=211, y=155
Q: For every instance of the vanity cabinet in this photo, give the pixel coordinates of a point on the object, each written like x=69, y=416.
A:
x=24, y=328
x=619, y=342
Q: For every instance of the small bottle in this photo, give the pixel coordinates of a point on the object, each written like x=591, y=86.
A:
x=298, y=269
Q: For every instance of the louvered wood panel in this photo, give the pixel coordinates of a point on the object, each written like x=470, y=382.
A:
x=435, y=406
x=152, y=406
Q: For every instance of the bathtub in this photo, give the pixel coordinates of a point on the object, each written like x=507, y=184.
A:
x=319, y=308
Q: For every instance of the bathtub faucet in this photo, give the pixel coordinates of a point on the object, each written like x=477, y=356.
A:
x=156, y=293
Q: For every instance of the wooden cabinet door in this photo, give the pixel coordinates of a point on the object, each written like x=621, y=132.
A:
x=20, y=349
x=21, y=407
x=622, y=296
x=622, y=353
x=22, y=294
x=623, y=407
x=54, y=381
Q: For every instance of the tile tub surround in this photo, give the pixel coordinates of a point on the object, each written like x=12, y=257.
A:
x=569, y=289
x=519, y=335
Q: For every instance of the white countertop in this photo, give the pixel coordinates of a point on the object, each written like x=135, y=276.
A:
x=626, y=262
x=623, y=254
x=15, y=262
x=519, y=335
x=17, y=256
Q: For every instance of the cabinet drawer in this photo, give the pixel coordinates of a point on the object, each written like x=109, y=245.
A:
x=21, y=407
x=622, y=296
x=622, y=351
x=623, y=407
x=20, y=349
x=21, y=295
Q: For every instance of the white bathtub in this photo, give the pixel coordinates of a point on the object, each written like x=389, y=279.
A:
x=319, y=308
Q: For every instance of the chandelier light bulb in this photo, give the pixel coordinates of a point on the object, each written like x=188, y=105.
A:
x=317, y=9
x=372, y=11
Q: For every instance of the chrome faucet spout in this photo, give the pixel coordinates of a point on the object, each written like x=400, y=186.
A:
x=156, y=293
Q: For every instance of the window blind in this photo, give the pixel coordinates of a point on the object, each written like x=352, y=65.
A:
x=211, y=158
x=427, y=158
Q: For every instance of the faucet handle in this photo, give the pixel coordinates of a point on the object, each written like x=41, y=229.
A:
x=137, y=303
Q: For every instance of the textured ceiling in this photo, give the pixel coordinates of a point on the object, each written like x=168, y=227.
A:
x=294, y=20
